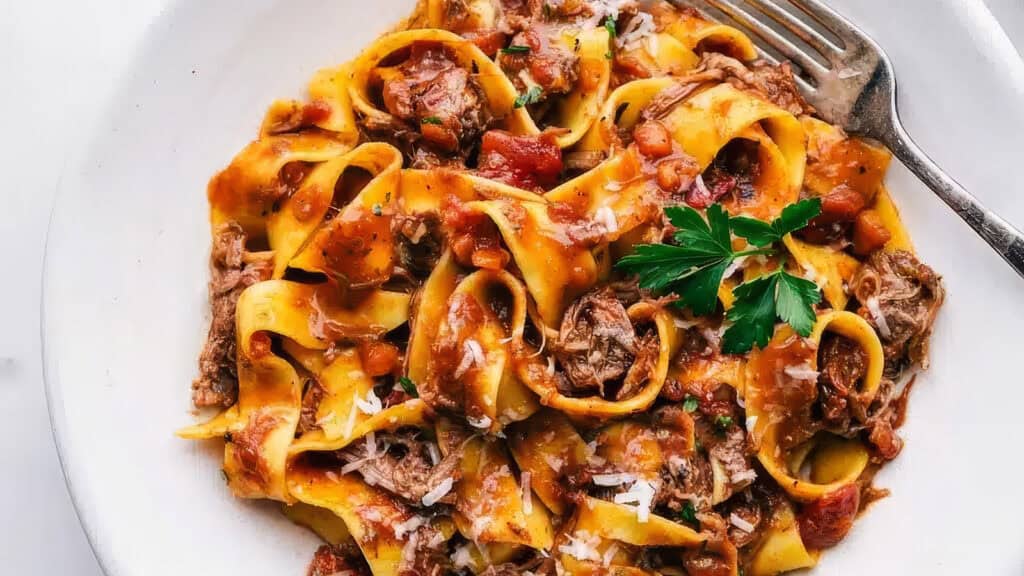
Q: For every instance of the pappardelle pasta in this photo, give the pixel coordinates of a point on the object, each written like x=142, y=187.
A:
x=560, y=287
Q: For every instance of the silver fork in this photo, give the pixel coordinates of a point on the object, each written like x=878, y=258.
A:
x=852, y=84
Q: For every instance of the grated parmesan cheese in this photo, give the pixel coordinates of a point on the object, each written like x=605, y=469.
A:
x=582, y=546
x=371, y=405
x=409, y=526
x=606, y=217
x=371, y=445
x=740, y=523
x=745, y=476
x=609, y=554
x=876, y=313
x=462, y=557
x=613, y=479
x=440, y=491
x=642, y=494
x=483, y=423
x=802, y=372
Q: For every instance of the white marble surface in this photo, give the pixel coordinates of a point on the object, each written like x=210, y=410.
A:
x=58, y=61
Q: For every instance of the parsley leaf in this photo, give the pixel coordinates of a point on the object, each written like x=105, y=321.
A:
x=689, y=513
x=532, y=96
x=431, y=120
x=723, y=422
x=694, y=265
x=516, y=49
x=794, y=217
x=609, y=25
x=409, y=386
x=691, y=404
x=752, y=315
x=795, y=302
x=778, y=295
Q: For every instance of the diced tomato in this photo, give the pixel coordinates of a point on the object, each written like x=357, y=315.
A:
x=528, y=162
x=488, y=41
x=653, y=139
x=379, y=358
x=842, y=204
x=869, y=233
x=826, y=521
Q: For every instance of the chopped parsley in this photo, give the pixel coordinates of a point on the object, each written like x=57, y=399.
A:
x=377, y=210
x=515, y=49
x=609, y=25
x=691, y=404
x=409, y=386
x=532, y=96
x=689, y=514
x=723, y=422
x=694, y=266
x=431, y=120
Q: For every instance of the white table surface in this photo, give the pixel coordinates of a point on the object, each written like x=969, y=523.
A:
x=58, y=61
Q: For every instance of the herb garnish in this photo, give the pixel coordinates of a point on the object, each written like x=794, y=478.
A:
x=516, y=49
x=691, y=404
x=532, y=96
x=377, y=210
x=694, y=266
x=409, y=386
x=689, y=514
x=431, y=120
x=723, y=422
x=609, y=25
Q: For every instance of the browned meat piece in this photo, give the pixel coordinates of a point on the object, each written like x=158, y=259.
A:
x=425, y=553
x=232, y=270
x=344, y=559
x=725, y=440
x=826, y=521
x=648, y=350
x=310, y=403
x=596, y=344
x=843, y=363
x=419, y=242
x=666, y=100
x=404, y=465
x=551, y=66
x=773, y=83
x=430, y=91
x=901, y=297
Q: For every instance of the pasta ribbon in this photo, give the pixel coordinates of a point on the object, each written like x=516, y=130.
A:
x=576, y=112
x=501, y=94
x=544, y=445
x=472, y=332
x=709, y=120
x=490, y=501
x=828, y=267
x=246, y=191
x=832, y=462
x=354, y=244
x=382, y=527
x=535, y=373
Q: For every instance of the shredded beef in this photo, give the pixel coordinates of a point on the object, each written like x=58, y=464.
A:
x=232, y=270
x=596, y=344
x=419, y=242
x=403, y=466
x=551, y=66
x=539, y=566
x=909, y=295
x=773, y=83
x=425, y=553
x=343, y=559
x=311, y=398
x=431, y=92
x=842, y=363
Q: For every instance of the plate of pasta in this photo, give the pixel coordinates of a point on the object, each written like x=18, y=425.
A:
x=571, y=287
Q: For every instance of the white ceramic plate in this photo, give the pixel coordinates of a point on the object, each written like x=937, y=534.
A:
x=126, y=312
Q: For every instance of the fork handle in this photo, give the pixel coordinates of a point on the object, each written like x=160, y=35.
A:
x=1003, y=237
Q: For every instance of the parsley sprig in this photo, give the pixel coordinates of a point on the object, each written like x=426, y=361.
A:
x=694, y=266
x=610, y=26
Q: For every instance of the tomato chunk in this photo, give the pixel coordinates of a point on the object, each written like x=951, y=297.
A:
x=826, y=521
x=528, y=162
x=869, y=233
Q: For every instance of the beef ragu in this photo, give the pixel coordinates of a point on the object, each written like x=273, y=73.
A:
x=560, y=287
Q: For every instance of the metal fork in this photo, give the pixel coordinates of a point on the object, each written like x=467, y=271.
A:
x=850, y=80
